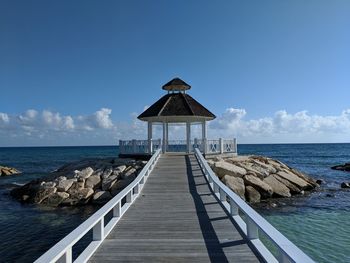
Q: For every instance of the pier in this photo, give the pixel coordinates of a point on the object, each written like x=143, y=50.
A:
x=177, y=209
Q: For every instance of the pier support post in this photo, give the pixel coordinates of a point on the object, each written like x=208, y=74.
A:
x=164, y=138
x=204, y=137
x=188, y=136
x=150, y=132
x=98, y=230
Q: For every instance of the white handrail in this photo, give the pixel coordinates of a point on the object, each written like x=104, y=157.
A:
x=62, y=251
x=288, y=252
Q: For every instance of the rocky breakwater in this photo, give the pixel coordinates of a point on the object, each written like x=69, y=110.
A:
x=4, y=171
x=255, y=178
x=79, y=183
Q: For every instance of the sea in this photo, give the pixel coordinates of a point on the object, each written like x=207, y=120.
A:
x=317, y=222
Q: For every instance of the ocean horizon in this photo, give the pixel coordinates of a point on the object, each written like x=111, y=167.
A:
x=309, y=221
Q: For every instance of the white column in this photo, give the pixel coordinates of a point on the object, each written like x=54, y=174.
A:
x=164, y=138
x=150, y=135
x=204, y=137
x=166, y=135
x=188, y=136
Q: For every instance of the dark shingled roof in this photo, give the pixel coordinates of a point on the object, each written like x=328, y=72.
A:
x=176, y=104
x=176, y=84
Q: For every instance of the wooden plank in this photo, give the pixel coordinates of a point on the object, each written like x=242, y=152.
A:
x=175, y=219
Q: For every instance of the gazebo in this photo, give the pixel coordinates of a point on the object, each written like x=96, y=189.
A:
x=176, y=108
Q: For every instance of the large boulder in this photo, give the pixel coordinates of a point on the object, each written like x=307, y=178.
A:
x=293, y=178
x=43, y=193
x=85, y=173
x=108, y=182
x=64, y=185
x=223, y=168
x=107, y=172
x=236, y=184
x=279, y=189
x=101, y=197
x=252, y=195
x=121, y=184
x=94, y=181
x=78, y=196
x=55, y=199
x=292, y=187
x=264, y=189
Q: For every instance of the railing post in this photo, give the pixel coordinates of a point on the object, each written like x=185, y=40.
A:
x=66, y=257
x=221, y=145
x=252, y=229
x=129, y=197
x=216, y=188
x=205, y=146
x=282, y=257
x=222, y=195
x=98, y=230
x=150, y=146
x=136, y=189
x=235, y=144
x=233, y=208
x=117, y=210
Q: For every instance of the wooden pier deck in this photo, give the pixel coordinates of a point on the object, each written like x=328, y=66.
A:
x=176, y=218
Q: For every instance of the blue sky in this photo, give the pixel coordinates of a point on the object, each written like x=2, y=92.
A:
x=78, y=72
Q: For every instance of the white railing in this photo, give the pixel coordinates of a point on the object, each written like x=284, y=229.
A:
x=62, y=251
x=219, y=146
x=253, y=222
x=139, y=146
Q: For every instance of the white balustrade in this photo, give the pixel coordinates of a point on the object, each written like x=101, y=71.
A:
x=206, y=146
x=62, y=251
x=253, y=223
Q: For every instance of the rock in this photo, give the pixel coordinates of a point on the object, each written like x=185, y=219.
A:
x=269, y=169
x=85, y=173
x=345, y=185
x=121, y=184
x=252, y=195
x=292, y=187
x=320, y=181
x=78, y=196
x=107, y=172
x=101, y=197
x=5, y=171
x=279, y=189
x=302, y=184
x=252, y=170
x=56, y=199
x=264, y=189
x=43, y=193
x=94, y=181
x=60, y=178
x=48, y=184
x=64, y=185
x=121, y=168
x=129, y=172
x=108, y=182
x=343, y=167
x=223, y=168
x=236, y=184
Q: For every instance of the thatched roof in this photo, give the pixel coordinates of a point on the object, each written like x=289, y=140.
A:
x=176, y=84
x=177, y=105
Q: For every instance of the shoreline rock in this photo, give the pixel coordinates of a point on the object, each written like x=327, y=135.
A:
x=262, y=178
x=87, y=181
x=6, y=171
x=342, y=167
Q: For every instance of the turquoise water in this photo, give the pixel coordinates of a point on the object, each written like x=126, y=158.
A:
x=318, y=223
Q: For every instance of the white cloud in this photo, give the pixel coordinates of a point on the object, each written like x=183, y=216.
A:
x=283, y=127
x=53, y=128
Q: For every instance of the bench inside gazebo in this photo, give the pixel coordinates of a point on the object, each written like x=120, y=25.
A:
x=177, y=108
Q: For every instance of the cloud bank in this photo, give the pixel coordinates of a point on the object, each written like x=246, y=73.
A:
x=98, y=128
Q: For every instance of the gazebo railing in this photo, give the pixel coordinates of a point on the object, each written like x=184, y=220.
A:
x=206, y=146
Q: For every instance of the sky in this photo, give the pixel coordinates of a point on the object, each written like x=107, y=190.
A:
x=80, y=72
